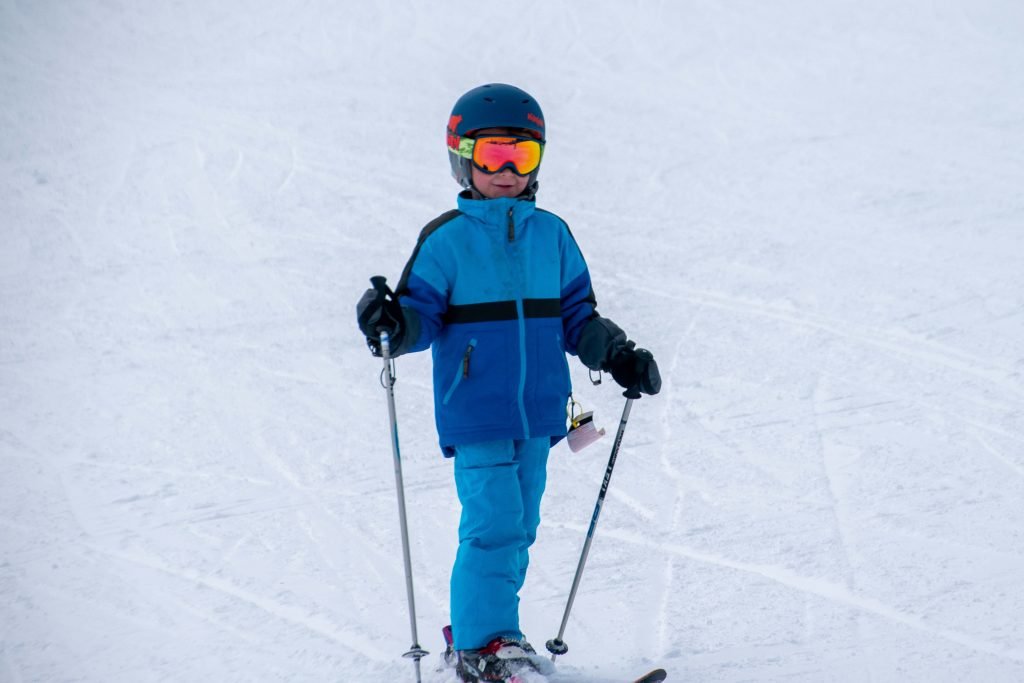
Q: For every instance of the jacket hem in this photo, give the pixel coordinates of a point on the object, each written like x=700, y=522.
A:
x=449, y=440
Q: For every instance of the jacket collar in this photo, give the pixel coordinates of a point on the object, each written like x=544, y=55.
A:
x=495, y=211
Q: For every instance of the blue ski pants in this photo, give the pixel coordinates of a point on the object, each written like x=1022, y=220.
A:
x=500, y=484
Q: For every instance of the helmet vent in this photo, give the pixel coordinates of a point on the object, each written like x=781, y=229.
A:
x=488, y=99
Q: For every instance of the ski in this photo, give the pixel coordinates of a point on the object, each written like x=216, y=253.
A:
x=656, y=676
x=653, y=677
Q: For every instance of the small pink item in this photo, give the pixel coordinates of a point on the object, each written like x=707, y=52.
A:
x=582, y=432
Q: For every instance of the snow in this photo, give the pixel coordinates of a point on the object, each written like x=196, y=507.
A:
x=810, y=211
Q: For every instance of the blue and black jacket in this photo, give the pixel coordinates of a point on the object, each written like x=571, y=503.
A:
x=500, y=291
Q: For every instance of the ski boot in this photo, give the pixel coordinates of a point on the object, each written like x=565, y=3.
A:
x=497, y=662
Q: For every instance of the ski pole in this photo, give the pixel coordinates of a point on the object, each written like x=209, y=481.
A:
x=415, y=652
x=556, y=646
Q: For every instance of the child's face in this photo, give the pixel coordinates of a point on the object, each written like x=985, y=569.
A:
x=503, y=183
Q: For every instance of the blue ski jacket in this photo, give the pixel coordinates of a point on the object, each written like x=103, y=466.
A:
x=500, y=291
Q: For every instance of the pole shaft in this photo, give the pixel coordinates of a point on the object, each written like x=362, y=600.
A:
x=416, y=651
x=593, y=520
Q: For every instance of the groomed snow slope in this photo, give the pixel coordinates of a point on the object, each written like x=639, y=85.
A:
x=812, y=213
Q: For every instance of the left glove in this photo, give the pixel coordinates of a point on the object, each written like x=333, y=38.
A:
x=379, y=311
x=635, y=370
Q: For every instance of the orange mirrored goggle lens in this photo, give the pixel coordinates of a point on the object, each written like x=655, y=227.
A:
x=492, y=154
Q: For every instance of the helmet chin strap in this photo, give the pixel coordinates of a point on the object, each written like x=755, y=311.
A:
x=530, y=192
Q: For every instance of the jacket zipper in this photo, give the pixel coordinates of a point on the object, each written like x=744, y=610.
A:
x=521, y=394
x=461, y=373
x=511, y=226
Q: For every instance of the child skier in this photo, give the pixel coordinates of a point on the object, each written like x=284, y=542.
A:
x=500, y=291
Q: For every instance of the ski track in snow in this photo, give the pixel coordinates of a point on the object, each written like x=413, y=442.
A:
x=837, y=503
x=832, y=592
x=1011, y=465
x=668, y=573
x=317, y=624
x=927, y=352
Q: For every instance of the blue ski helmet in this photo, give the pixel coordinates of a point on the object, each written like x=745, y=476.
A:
x=495, y=105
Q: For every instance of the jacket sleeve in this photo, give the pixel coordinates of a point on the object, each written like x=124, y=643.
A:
x=424, y=288
x=423, y=294
x=577, y=295
x=594, y=339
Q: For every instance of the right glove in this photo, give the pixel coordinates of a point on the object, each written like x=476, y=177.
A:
x=379, y=311
x=635, y=370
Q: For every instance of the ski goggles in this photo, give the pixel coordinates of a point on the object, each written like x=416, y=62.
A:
x=493, y=153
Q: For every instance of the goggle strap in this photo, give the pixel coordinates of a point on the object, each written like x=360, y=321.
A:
x=465, y=148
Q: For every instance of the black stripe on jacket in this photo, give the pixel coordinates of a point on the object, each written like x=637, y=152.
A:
x=502, y=310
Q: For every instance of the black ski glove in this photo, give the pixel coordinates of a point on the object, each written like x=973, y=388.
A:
x=636, y=371
x=379, y=311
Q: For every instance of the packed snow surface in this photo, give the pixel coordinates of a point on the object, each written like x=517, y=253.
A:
x=811, y=212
